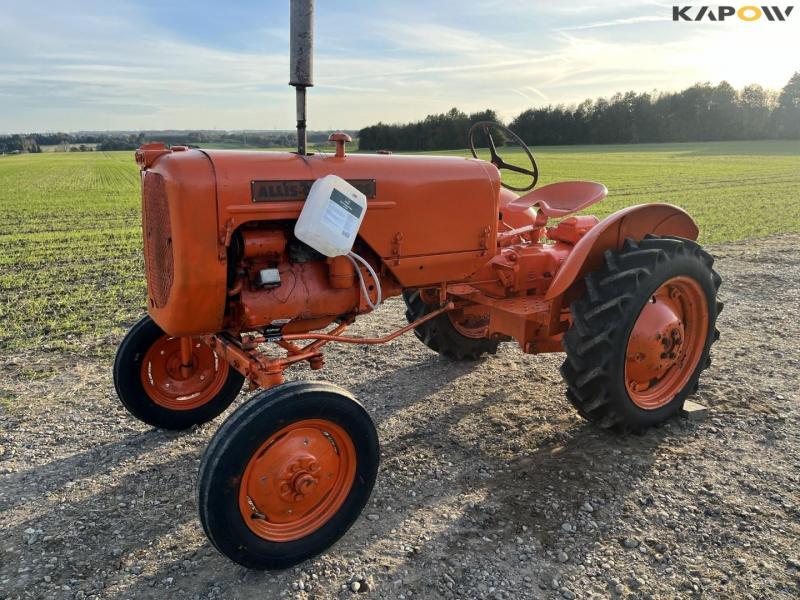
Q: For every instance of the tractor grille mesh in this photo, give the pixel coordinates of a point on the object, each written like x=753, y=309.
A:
x=157, y=239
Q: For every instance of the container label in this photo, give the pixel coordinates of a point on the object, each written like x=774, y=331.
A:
x=354, y=208
x=342, y=214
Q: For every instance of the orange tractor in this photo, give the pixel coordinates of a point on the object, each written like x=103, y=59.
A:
x=256, y=261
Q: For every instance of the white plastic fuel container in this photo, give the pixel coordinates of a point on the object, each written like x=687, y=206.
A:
x=331, y=216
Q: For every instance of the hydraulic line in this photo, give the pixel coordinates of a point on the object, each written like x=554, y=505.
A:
x=379, y=294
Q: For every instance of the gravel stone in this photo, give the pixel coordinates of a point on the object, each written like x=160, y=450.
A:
x=501, y=468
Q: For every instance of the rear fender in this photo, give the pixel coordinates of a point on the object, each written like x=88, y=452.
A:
x=610, y=233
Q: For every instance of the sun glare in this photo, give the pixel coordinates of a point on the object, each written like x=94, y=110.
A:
x=749, y=53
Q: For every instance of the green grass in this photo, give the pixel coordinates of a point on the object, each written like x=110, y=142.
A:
x=70, y=239
x=735, y=190
x=70, y=246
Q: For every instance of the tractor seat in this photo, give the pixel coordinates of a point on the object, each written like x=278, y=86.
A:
x=559, y=199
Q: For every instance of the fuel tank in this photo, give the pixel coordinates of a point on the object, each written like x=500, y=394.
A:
x=429, y=218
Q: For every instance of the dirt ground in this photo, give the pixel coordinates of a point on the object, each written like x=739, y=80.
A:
x=490, y=485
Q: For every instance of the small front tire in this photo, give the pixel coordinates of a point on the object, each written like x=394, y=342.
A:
x=287, y=474
x=150, y=386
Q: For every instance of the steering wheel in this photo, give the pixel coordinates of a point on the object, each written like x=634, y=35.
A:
x=495, y=159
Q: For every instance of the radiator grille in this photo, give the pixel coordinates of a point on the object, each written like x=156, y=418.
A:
x=157, y=239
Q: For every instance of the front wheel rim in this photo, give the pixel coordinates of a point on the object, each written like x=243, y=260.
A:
x=666, y=343
x=168, y=387
x=297, y=480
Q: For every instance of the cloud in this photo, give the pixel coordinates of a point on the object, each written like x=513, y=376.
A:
x=123, y=66
x=537, y=92
x=619, y=22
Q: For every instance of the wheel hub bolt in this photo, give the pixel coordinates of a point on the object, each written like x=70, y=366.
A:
x=304, y=483
x=299, y=479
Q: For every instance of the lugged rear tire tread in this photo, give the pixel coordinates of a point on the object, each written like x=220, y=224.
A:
x=601, y=322
x=439, y=335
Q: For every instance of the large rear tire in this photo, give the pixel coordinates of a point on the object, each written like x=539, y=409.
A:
x=287, y=474
x=151, y=387
x=458, y=337
x=642, y=333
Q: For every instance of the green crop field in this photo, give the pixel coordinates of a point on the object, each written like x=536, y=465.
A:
x=70, y=244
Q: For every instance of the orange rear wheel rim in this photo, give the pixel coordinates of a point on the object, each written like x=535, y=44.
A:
x=297, y=480
x=470, y=321
x=171, y=388
x=666, y=343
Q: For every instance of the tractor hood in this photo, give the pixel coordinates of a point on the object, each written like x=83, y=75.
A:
x=429, y=218
x=434, y=204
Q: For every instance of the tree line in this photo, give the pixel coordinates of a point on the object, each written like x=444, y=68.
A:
x=702, y=112
x=108, y=141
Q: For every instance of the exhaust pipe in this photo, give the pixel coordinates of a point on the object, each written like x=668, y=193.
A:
x=301, y=61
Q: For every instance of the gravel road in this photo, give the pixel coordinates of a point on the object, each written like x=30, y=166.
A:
x=490, y=486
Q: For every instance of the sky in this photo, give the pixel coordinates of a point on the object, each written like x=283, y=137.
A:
x=200, y=64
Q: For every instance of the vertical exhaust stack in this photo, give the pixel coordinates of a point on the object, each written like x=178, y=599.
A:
x=301, y=61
